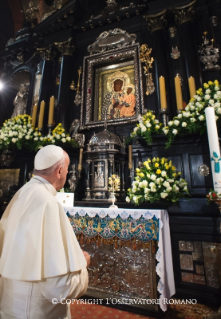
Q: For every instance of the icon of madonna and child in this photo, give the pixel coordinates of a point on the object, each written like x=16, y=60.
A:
x=120, y=102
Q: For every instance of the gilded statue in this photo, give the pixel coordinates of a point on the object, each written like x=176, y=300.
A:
x=32, y=12
x=121, y=101
x=73, y=131
x=20, y=101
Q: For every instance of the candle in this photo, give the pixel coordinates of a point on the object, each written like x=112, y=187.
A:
x=179, y=97
x=163, y=100
x=214, y=148
x=80, y=159
x=192, y=86
x=51, y=111
x=34, y=114
x=130, y=156
x=41, y=115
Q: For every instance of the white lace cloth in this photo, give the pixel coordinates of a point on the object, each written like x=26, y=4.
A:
x=164, y=268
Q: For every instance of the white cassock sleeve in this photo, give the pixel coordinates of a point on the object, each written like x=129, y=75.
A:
x=72, y=285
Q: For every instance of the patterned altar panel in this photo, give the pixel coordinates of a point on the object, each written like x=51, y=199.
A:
x=122, y=271
x=202, y=260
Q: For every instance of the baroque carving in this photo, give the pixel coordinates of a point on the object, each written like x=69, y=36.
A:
x=111, y=39
x=156, y=21
x=184, y=13
x=65, y=47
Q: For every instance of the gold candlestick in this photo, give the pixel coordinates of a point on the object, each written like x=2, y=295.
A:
x=51, y=111
x=179, y=97
x=34, y=114
x=192, y=86
x=41, y=116
x=80, y=159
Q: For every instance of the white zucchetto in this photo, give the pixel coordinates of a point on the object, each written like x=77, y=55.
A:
x=47, y=157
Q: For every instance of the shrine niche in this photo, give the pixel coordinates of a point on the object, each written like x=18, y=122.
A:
x=112, y=81
x=20, y=82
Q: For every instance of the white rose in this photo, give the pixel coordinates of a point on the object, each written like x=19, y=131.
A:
x=215, y=96
x=207, y=97
x=208, y=91
x=176, y=122
x=134, y=198
x=157, y=127
x=217, y=104
x=184, y=124
x=174, y=131
x=153, y=177
x=165, y=130
x=63, y=134
x=199, y=98
x=68, y=138
x=218, y=111
x=14, y=140
x=192, y=107
x=164, y=173
x=143, y=128
x=27, y=137
x=192, y=119
x=146, y=190
x=187, y=108
x=170, y=123
x=216, y=88
x=63, y=140
x=148, y=124
x=35, y=138
x=166, y=184
x=180, y=115
x=201, y=117
x=163, y=195
x=136, y=128
x=211, y=101
x=127, y=199
x=169, y=189
x=175, y=188
x=41, y=138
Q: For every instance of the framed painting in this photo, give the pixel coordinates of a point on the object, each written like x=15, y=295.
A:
x=112, y=88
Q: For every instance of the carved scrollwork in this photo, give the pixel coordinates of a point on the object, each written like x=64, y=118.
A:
x=111, y=39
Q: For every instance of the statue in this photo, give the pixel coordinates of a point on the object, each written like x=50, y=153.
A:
x=73, y=178
x=73, y=131
x=20, y=101
x=31, y=12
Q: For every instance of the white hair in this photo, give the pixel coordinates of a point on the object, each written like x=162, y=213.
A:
x=49, y=171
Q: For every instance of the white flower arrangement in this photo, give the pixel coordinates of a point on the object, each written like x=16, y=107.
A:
x=192, y=119
x=18, y=133
x=157, y=180
x=147, y=126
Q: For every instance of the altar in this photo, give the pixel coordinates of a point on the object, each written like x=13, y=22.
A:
x=128, y=248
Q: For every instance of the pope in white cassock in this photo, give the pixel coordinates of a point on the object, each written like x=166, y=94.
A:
x=40, y=255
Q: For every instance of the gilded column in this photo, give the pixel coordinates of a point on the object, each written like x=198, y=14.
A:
x=66, y=48
x=46, y=81
x=184, y=19
x=156, y=25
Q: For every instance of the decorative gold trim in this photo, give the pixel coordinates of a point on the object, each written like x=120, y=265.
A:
x=184, y=13
x=156, y=21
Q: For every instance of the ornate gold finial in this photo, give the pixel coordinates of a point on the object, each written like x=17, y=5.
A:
x=184, y=13
x=156, y=21
x=148, y=61
x=145, y=57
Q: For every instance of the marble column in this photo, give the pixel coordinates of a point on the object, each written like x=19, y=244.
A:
x=66, y=48
x=46, y=85
x=156, y=25
x=184, y=19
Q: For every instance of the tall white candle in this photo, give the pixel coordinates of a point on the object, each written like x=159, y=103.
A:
x=214, y=148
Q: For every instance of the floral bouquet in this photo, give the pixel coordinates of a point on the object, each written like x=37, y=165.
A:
x=213, y=196
x=147, y=126
x=114, y=183
x=58, y=136
x=18, y=133
x=192, y=119
x=157, y=180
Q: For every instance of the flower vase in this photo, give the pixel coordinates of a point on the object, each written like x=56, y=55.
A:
x=113, y=198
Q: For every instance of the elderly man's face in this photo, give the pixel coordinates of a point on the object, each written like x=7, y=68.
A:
x=64, y=171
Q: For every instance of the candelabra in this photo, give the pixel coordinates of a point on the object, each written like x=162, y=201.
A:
x=77, y=99
x=209, y=54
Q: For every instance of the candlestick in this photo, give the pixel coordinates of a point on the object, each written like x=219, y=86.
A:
x=41, y=115
x=179, y=97
x=51, y=111
x=192, y=86
x=80, y=159
x=34, y=114
x=214, y=148
x=163, y=100
x=130, y=156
